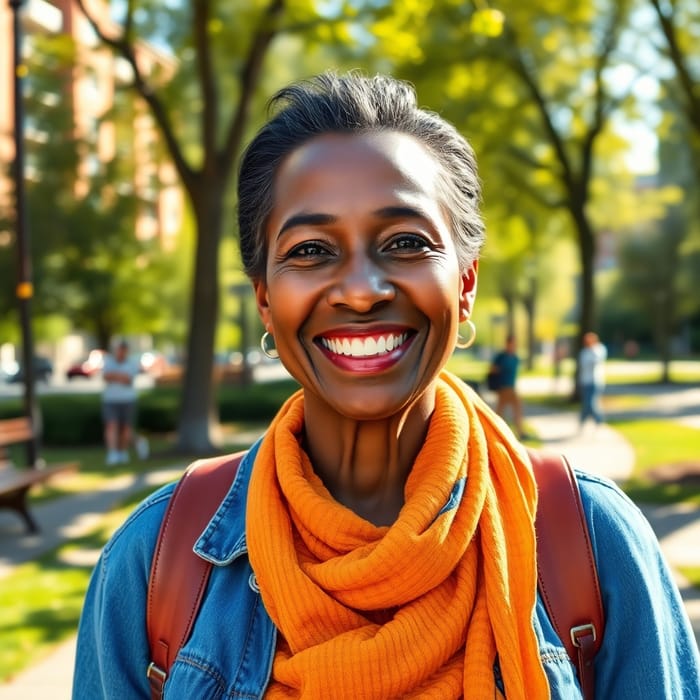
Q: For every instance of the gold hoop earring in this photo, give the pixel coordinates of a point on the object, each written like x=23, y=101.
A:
x=268, y=352
x=464, y=344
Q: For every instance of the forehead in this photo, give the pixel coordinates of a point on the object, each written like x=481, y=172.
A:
x=381, y=155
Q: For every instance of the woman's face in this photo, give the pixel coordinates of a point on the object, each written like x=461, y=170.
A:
x=363, y=290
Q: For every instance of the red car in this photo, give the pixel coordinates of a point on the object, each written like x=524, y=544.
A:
x=88, y=367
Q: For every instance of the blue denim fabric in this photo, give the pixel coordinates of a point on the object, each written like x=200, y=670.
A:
x=648, y=649
x=590, y=403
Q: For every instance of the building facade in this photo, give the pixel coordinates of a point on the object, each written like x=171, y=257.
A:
x=108, y=119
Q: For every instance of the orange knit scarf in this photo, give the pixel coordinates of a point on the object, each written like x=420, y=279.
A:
x=421, y=608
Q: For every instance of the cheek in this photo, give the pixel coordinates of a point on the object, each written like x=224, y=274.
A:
x=291, y=300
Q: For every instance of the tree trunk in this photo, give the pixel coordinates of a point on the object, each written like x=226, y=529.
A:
x=198, y=412
x=664, y=316
x=529, y=304
x=587, y=249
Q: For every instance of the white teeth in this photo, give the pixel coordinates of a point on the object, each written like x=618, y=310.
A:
x=357, y=347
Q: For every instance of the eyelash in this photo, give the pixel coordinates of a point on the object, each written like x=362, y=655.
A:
x=302, y=250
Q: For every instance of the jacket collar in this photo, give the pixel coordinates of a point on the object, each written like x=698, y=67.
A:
x=223, y=540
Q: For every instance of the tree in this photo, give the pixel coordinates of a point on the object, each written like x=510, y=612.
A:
x=679, y=22
x=89, y=267
x=537, y=96
x=203, y=108
x=204, y=165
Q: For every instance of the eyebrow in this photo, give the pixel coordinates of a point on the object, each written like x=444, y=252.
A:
x=307, y=220
x=400, y=212
x=392, y=212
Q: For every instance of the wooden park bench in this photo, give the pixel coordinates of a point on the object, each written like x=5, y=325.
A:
x=15, y=482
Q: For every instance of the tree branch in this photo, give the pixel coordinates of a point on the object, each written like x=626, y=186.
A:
x=517, y=62
x=692, y=107
x=209, y=124
x=266, y=31
x=536, y=194
x=602, y=105
x=122, y=46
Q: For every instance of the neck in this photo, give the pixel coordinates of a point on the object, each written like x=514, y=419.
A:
x=365, y=464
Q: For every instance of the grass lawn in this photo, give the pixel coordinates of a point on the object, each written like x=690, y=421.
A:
x=41, y=600
x=692, y=573
x=660, y=446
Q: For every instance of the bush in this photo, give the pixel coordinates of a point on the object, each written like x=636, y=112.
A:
x=74, y=419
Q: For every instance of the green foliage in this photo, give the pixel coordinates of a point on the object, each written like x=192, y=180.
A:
x=89, y=267
x=692, y=573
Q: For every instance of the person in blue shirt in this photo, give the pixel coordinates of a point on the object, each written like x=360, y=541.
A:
x=505, y=366
x=378, y=540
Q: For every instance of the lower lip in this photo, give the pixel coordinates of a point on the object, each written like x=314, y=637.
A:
x=368, y=365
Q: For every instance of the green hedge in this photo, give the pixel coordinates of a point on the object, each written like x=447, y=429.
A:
x=76, y=419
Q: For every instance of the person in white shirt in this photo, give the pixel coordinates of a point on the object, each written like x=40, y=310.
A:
x=119, y=403
x=592, y=377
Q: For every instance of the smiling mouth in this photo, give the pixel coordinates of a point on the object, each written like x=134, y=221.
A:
x=367, y=346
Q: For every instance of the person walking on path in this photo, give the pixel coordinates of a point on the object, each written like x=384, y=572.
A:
x=592, y=378
x=505, y=366
x=119, y=403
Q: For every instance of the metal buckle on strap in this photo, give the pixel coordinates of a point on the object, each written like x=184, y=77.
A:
x=156, y=673
x=581, y=631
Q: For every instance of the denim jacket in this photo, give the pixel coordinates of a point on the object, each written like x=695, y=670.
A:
x=648, y=649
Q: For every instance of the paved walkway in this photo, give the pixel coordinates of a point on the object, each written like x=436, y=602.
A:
x=602, y=451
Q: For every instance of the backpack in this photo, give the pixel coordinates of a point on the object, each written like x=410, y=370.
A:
x=566, y=570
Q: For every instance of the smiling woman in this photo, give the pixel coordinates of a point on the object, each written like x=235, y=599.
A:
x=379, y=541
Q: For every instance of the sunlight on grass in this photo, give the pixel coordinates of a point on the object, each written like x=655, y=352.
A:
x=692, y=573
x=41, y=600
x=660, y=443
x=41, y=603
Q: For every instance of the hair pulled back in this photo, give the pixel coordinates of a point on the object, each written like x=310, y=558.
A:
x=347, y=104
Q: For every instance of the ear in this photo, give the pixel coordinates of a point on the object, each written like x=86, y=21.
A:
x=263, y=303
x=467, y=294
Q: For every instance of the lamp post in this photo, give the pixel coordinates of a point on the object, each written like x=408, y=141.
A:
x=24, y=289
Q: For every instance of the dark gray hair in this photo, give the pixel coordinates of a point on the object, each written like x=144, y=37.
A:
x=353, y=103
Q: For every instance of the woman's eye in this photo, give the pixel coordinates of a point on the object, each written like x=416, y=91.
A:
x=308, y=249
x=408, y=242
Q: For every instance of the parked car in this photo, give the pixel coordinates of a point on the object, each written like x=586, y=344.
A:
x=43, y=369
x=89, y=367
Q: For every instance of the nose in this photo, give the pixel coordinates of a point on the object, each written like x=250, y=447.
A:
x=361, y=285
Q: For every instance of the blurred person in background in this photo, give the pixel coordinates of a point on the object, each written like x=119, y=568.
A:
x=505, y=366
x=119, y=402
x=591, y=367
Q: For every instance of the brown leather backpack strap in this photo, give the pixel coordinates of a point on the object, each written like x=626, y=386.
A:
x=566, y=568
x=178, y=576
